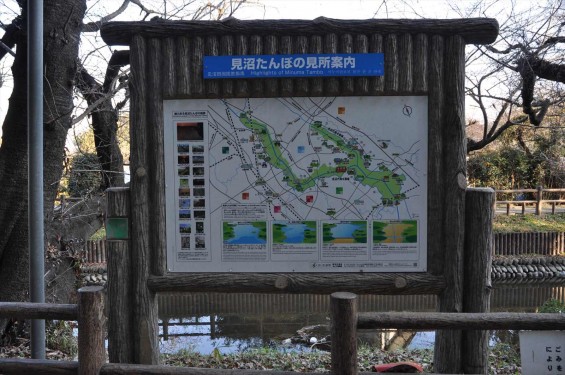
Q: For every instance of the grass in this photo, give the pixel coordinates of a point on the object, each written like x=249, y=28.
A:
x=529, y=223
x=273, y=359
x=503, y=359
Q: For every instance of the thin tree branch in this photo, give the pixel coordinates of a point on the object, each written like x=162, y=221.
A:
x=95, y=26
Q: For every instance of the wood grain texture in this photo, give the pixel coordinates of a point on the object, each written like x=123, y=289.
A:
x=343, y=330
x=19, y=366
x=331, y=84
x=479, y=215
x=471, y=30
x=183, y=66
x=256, y=48
x=405, y=60
x=155, y=157
x=300, y=46
x=120, y=300
x=241, y=48
x=227, y=47
x=212, y=86
x=317, y=83
x=271, y=44
x=196, y=67
x=435, y=71
x=447, y=352
x=391, y=62
x=361, y=46
x=420, y=63
x=145, y=307
x=287, y=84
x=347, y=84
x=457, y=321
x=91, y=332
x=31, y=310
x=376, y=45
x=324, y=283
x=119, y=285
x=168, y=71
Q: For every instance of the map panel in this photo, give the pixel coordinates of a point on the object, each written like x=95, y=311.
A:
x=336, y=184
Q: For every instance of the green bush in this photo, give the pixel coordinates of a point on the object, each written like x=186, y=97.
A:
x=84, y=176
x=552, y=305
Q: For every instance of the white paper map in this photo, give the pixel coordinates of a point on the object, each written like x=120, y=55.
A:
x=297, y=184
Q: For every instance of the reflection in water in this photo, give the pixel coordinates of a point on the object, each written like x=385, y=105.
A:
x=237, y=322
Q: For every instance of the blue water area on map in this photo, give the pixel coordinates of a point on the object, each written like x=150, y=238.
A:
x=294, y=233
x=345, y=230
x=246, y=234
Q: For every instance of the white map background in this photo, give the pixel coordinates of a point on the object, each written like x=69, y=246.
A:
x=303, y=159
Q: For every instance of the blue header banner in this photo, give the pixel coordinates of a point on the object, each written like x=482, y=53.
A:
x=299, y=65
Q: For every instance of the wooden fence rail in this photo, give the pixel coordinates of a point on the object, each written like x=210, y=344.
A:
x=344, y=308
x=344, y=317
x=89, y=313
x=538, y=201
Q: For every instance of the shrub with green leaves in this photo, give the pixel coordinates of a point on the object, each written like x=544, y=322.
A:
x=84, y=175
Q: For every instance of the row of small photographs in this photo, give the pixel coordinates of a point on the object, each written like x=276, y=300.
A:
x=185, y=182
x=199, y=242
x=197, y=192
x=186, y=148
x=196, y=171
x=184, y=203
x=185, y=159
x=185, y=213
x=186, y=227
x=306, y=232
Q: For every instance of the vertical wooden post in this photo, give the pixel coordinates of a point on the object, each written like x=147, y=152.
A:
x=119, y=282
x=447, y=352
x=436, y=145
x=479, y=214
x=343, y=313
x=91, y=352
x=539, y=199
x=144, y=307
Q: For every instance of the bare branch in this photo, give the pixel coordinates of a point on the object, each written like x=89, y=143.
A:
x=106, y=96
x=95, y=26
x=10, y=37
x=144, y=9
x=511, y=48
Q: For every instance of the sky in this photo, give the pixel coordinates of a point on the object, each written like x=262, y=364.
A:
x=260, y=9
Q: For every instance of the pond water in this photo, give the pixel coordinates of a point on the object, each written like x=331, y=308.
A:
x=294, y=233
x=246, y=234
x=345, y=230
x=210, y=321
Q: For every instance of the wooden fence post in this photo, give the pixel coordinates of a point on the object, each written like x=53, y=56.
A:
x=447, y=352
x=343, y=312
x=120, y=347
x=539, y=199
x=91, y=319
x=479, y=213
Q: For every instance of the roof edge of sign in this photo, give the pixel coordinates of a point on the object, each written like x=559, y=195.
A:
x=472, y=30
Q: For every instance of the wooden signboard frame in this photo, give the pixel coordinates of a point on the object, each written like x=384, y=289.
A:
x=422, y=57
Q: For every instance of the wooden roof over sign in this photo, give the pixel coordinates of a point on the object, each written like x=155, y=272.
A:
x=472, y=30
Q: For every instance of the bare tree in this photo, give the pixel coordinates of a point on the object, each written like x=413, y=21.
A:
x=518, y=81
x=66, y=78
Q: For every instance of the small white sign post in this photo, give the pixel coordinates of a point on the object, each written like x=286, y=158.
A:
x=542, y=352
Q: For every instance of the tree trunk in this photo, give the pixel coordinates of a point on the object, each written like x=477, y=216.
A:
x=62, y=27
